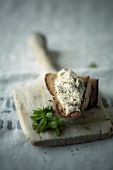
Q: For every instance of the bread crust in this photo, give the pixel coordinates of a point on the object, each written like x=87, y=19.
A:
x=94, y=94
x=50, y=84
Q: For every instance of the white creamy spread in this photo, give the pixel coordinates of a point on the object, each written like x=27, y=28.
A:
x=69, y=89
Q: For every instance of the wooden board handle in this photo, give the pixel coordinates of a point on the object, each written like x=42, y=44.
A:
x=38, y=44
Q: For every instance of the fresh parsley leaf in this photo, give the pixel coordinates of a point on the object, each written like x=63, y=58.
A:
x=34, y=126
x=42, y=125
x=49, y=115
x=43, y=120
x=58, y=131
x=53, y=124
x=93, y=65
x=37, y=117
x=47, y=109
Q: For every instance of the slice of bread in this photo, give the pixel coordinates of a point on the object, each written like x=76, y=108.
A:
x=50, y=84
x=94, y=94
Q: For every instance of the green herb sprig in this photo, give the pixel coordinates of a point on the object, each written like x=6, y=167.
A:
x=43, y=120
x=93, y=65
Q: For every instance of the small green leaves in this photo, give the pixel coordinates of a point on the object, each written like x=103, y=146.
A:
x=93, y=65
x=53, y=124
x=49, y=115
x=48, y=109
x=43, y=120
x=58, y=131
x=42, y=125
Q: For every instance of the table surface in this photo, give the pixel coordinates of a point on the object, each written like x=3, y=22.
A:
x=79, y=31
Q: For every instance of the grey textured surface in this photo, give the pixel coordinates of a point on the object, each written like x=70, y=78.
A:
x=85, y=30
x=83, y=26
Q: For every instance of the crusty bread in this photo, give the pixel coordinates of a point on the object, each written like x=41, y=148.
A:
x=50, y=83
x=94, y=94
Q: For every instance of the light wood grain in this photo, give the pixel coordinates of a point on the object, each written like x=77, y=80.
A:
x=36, y=95
x=38, y=44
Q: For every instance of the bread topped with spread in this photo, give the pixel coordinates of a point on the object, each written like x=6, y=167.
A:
x=71, y=93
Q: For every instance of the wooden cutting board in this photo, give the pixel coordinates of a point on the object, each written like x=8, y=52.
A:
x=36, y=95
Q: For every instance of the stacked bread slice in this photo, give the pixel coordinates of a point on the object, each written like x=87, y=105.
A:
x=90, y=96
